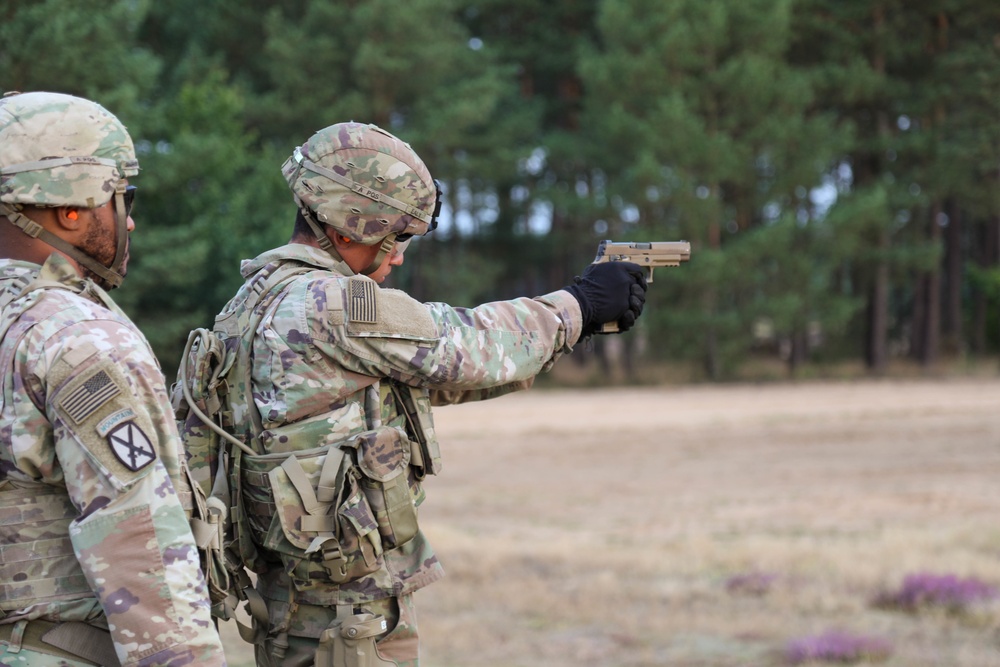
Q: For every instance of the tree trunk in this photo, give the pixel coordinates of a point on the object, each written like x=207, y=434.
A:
x=878, y=313
x=932, y=329
x=918, y=328
x=987, y=253
x=799, y=351
x=878, y=303
x=952, y=324
x=712, y=366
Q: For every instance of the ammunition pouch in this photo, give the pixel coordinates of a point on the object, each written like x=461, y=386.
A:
x=329, y=513
x=416, y=409
x=208, y=523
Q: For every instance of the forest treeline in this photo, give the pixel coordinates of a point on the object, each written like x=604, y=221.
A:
x=835, y=164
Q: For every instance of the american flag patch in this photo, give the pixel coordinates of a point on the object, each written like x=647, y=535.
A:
x=92, y=394
x=363, y=303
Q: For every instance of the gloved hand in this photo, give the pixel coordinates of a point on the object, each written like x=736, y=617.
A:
x=610, y=292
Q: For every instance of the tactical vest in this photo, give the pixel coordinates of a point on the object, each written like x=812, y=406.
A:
x=32, y=570
x=326, y=513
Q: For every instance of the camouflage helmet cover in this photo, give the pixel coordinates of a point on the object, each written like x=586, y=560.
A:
x=363, y=182
x=61, y=150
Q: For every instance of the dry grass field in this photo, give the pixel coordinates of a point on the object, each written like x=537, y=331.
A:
x=710, y=525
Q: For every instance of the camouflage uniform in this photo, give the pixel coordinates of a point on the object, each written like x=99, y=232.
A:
x=93, y=530
x=330, y=394
x=87, y=524
x=322, y=351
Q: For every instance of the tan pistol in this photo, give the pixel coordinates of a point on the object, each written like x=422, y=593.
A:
x=649, y=255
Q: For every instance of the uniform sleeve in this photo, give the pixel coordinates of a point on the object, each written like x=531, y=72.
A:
x=119, y=452
x=498, y=346
x=446, y=397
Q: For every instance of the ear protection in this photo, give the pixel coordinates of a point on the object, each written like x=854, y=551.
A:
x=72, y=215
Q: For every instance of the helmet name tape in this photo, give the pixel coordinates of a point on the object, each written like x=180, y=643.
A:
x=360, y=189
x=52, y=163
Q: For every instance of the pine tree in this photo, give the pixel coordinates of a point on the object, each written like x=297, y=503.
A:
x=79, y=47
x=716, y=140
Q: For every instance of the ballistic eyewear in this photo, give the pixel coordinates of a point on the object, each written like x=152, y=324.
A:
x=129, y=198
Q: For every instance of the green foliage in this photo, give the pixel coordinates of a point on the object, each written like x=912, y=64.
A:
x=209, y=196
x=711, y=119
x=556, y=124
x=80, y=47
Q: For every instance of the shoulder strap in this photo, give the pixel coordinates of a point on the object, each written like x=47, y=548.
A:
x=25, y=285
x=9, y=296
x=9, y=316
x=266, y=288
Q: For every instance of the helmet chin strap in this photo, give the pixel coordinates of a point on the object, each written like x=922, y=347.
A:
x=324, y=241
x=384, y=249
x=321, y=238
x=108, y=277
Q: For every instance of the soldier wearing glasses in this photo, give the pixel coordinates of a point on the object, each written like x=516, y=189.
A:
x=341, y=375
x=98, y=565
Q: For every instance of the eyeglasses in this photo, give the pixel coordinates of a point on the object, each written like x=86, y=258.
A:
x=400, y=246
x=129, y=198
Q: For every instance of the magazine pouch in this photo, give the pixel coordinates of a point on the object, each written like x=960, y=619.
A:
x=383, y=455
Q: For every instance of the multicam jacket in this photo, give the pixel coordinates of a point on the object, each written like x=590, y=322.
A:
x=333, y=338
x=92, y=526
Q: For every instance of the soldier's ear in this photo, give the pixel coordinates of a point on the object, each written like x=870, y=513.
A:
x=340, y=242
x=69, y=218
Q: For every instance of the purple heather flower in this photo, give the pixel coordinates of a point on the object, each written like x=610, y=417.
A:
x=946, y=591
x=837, y=646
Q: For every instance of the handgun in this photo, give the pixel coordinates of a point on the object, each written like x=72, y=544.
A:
x=649, y=255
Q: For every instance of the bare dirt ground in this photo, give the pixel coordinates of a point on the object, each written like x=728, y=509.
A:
x=600, y=527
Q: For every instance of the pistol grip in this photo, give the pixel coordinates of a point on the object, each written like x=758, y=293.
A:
x=608, y=327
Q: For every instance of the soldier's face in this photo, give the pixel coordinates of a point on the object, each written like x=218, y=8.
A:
x=101, y=239
x=394, y=258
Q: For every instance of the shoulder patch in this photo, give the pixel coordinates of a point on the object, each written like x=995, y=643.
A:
x=97, y=407
x=131, y=446
x=91, y=393
x=397, y=315
x=363, y=306
x=114, y=420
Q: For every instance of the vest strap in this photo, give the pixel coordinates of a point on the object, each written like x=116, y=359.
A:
x=72, y=640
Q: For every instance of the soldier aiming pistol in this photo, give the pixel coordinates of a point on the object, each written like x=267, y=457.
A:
x=649, y=255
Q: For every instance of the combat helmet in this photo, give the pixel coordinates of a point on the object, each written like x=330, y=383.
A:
x=60, y=150
x=366, y=184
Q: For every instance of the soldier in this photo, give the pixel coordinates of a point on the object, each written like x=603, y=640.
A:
x=342, y=377
x=93, y=532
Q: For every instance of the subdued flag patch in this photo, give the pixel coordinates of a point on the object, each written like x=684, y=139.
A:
x=89, y=396
x=363, y=302
x=131, y=446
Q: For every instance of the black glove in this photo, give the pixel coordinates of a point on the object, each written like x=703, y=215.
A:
x=610, y=292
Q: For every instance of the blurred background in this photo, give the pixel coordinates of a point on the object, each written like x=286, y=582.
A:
x=835, y=164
